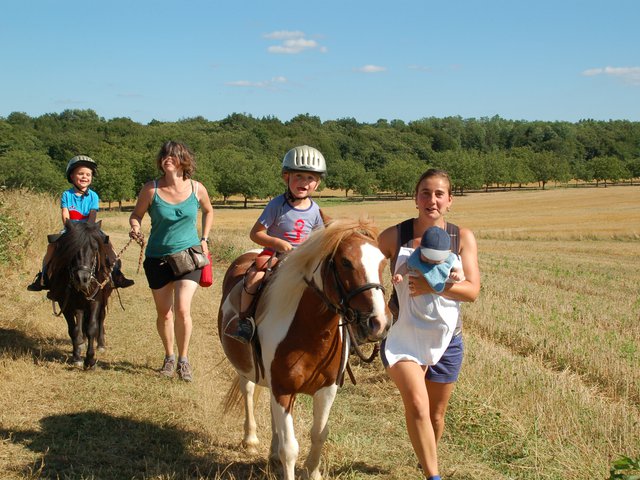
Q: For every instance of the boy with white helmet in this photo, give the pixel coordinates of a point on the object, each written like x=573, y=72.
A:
x=285, y=223
x=78, y=204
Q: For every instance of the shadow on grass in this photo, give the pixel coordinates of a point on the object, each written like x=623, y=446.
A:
x=15, y=344
x=92, y=444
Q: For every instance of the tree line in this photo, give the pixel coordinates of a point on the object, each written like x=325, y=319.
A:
x=241, y=155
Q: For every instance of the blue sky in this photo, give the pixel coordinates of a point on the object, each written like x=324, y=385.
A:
x=403, y=59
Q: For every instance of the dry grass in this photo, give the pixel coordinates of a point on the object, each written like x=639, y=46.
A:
x=550, y=387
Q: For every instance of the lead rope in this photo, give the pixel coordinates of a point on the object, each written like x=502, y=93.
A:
x=139, y=241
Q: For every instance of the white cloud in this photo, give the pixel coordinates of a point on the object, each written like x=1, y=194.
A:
x=284, y=34
x=370, y=69
x=629, y=75
x=292, y=42
x=266, y=84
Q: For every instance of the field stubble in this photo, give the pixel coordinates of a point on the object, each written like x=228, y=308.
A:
x=550, y=387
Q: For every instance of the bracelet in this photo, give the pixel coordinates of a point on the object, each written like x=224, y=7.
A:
x=204, y=239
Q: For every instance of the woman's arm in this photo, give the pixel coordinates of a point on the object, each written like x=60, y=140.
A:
x=141, y=207
x=388, y=242
x=207, y=215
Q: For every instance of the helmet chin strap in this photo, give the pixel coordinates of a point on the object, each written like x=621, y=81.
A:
x=86, y=192
x=290, y=197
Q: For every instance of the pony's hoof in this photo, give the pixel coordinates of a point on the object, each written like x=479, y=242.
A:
x=102, y=349
x=78, y=363
x=90, y=365
x=250, y=447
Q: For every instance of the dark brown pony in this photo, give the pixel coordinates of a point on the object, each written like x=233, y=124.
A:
x=77, y=274
x=323, y=296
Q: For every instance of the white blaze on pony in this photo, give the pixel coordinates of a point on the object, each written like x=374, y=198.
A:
x=331, y=280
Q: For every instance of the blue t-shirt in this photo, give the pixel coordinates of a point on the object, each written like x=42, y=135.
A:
x=79, y=206
x=288, y=223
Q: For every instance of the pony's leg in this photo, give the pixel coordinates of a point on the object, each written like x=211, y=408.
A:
x=102, y=344
x=250, y=440
x=322, y=402
x=91, y=329
x=75, y=333
x=287, y=444
x=273, y=449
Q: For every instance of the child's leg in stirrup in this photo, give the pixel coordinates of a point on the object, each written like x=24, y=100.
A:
x=251, y=285
x=41, y=281
x=119, y=280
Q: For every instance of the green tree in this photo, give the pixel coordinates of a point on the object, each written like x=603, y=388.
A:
x=350, y=175
x=609, y=169
x=35, y=171
x=399, y=175
x=115, y=181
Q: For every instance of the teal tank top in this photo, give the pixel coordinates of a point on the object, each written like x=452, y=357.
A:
x=173, y=226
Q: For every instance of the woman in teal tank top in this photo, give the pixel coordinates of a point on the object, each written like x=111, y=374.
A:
x=172, y=202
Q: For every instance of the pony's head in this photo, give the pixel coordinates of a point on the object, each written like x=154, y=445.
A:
x=81, y=254
x=343, y=263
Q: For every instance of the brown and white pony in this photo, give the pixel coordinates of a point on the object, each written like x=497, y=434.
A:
x=324, y=295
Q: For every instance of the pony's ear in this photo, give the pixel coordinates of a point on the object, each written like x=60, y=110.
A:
x=99, y=224
x=68, y=224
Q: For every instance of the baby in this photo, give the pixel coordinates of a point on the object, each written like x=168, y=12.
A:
x=433, y=260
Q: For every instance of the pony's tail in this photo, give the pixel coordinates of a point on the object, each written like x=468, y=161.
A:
x=232, y=402
x=233, y=399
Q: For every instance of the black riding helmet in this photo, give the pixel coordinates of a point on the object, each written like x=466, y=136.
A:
x=81, y=161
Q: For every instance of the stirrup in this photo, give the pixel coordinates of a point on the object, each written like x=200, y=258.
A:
x=245, y=331
x=37, y=284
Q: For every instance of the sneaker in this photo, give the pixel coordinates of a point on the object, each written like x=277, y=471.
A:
x=36, y=285
x=184, y=371
x=168, y=367
x=246, y=328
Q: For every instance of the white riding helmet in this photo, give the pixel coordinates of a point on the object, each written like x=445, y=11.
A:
x=304, y=159
x=81, y=161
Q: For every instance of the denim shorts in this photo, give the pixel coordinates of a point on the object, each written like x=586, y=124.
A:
x=448, y=367
x=159, y=273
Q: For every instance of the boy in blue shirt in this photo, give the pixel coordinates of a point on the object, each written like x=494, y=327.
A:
x=78, y=204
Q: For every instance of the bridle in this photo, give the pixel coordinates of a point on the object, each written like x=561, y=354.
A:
x=90, y=293
x=343, y=308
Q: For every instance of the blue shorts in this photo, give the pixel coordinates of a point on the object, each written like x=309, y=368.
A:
x=448, y=367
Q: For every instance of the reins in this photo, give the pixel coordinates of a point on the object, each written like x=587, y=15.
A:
x=344, y=309
x=107, y=278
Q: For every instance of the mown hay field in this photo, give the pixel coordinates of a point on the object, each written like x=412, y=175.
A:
x=550, y=387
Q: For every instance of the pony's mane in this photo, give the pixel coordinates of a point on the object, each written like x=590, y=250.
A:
x=305, y=260
x=77, y=237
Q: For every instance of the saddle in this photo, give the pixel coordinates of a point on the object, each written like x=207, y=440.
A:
x=251, y=312
x=253, y=306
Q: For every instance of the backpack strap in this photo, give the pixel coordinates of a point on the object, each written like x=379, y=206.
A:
x=454, y=235
x=405, y=236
